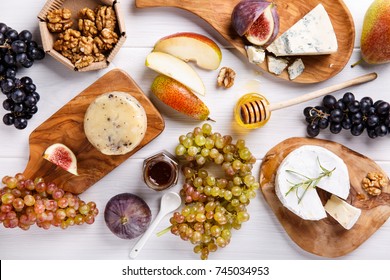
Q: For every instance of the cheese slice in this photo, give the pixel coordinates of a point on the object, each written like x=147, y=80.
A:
x=276, y=65
x=115, y=123
x=256, y=55
x=341, y=211
x=311, y=35
x=305, y=160
x=295, y=69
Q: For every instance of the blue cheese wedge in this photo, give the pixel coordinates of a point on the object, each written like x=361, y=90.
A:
x=276, y=65
x=256, y=55
x=311, y=35
x=295, y=69
x=305, y=202
x=115, y=123
x=342, y=212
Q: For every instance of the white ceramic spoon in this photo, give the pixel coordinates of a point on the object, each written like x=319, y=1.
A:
x=169, y=202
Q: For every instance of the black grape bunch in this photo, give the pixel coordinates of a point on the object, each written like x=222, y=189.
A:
x=18, y=50
x=348, y=113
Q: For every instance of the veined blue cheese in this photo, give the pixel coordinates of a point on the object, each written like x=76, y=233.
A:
x=311, y=35
x=295, y=69
x=256, y=55
x=115, y=123
x=276, y=65
x=305, y=160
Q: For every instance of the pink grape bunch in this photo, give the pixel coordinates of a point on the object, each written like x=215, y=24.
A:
x=25, y=202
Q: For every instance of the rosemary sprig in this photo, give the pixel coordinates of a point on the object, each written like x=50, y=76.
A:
x=307, y=182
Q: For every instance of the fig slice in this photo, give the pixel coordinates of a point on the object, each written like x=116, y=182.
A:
x=62, y=156
x=262, y=29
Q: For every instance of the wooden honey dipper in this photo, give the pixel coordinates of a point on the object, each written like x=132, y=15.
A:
x=253, y=110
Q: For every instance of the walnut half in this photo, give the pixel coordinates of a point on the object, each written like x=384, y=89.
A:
x=373, y=183
x=59, y=20
x=226, y=77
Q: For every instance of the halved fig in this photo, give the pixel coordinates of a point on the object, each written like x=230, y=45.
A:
x=262, y=28
x=257, y=20
x=246, y=12
x=62, y=156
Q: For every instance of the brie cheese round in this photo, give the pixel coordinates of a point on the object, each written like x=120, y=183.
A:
x=115, y=123
x=306, y=161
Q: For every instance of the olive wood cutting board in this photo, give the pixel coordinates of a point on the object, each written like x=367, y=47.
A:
x=317, y=68
x=327, y=237
x=66, y=126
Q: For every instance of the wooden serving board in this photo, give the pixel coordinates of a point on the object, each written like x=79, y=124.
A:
x=327, y=237
x=317, y=68
x=66, y=126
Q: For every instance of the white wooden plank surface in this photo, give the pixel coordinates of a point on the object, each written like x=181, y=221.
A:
x=262, y=237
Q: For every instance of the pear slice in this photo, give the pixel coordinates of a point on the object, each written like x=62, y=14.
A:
x=62, y=156
x=189, y=46
x=176, y=69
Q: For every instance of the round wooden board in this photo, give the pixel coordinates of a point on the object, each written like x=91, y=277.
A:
x=326, y=237
x=318, y=68
x=66, y=126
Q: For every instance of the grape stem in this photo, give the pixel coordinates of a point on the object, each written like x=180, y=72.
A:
x=164, y=231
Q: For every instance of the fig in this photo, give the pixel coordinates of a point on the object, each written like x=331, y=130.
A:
x=257, y=20
x=62, y=156
x=127, y=215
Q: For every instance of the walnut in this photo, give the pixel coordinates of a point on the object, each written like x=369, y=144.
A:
x=84, y=61
x=59, y=20
x=87, y=13
x=67, y=41
x=106, y=40
x=95, y=35
x=105, y=18
x=87, y=27
x=86, y=45
x=373, y=183
x=226, y=77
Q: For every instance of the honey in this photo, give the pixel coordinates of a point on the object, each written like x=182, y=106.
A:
x=251, y=111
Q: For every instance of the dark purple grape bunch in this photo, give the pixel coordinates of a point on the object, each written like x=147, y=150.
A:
x=349, y=114
x=18, y=50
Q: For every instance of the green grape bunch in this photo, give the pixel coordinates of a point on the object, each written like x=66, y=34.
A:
x=214, y=206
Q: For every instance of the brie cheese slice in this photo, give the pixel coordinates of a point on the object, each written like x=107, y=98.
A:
x=341, y=211
x=306, y=160
x=311, y=35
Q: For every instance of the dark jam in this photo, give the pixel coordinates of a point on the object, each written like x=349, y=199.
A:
x=160, y=173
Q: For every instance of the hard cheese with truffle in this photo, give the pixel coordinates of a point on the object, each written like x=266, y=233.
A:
x=311, y=35
x=115, y=123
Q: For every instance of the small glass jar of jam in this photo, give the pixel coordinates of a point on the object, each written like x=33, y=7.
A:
x=161, y=171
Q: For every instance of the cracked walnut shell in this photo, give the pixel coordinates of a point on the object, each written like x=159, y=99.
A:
x=59, y=20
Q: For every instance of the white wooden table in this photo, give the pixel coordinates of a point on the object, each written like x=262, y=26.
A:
x=260, y=238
